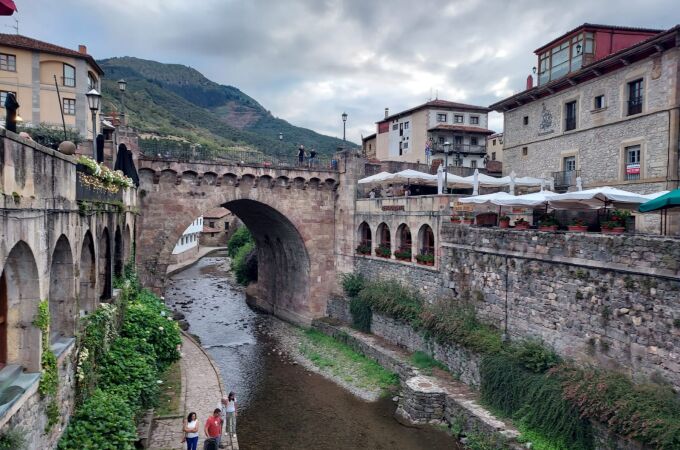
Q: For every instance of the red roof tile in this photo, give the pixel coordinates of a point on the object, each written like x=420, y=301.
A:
x=461, y=128
x=19, y=41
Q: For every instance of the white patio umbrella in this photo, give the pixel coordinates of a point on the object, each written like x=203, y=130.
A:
x=601, y=197
x=375, y=179
x=533, y=200
x=487, y=199
x=410, y=176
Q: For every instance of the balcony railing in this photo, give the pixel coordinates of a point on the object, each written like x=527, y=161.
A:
x=634, y=106
x=459, y=148
x=565, y=179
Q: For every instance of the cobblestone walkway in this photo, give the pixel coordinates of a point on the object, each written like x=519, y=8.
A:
x=202, y=388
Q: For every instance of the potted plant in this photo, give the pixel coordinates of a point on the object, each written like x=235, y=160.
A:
x=364, y=249
x=578, y=224
x=403, y=254
x=426, y=259
x=619, y=217
x=504, y=221
x=467, y=220
x=383, y=251
x=521, y=224
x=547, y=223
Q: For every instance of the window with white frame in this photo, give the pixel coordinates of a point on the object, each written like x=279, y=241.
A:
x=458, y=118
x=70, y=106
x=474, y=120
x=8, y=62
x=441, y=117
x=632, y=162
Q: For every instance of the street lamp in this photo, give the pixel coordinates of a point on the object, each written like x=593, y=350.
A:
x=447, y=146
x=122, y=85
x=93, y=99
x=344, y=122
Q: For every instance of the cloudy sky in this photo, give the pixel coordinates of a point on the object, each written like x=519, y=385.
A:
x=310, y=60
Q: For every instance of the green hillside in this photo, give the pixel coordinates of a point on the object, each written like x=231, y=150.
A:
x=176, y=101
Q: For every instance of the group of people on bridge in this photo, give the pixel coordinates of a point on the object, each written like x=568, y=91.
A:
x=311, y=156
x=225, y=412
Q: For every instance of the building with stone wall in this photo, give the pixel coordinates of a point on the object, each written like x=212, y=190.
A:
x=60, y=241
x=28, y=68
x=218, y=226
x=187, y=245
x=494, y=147
x=368, y=146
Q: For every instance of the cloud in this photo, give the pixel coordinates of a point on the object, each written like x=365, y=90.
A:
x=310, y=60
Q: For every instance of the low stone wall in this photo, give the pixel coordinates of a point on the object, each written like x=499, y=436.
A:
x=30, y=416
x=426, y=280
x=606, y=300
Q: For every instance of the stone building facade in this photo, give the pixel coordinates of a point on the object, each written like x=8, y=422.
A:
x=218, y=226
x=54, y=245
x=614, y=122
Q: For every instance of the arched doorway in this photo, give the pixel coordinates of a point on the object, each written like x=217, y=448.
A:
x=404, y=242
x=20, y=292
x=384, y=248
x=365, y=241
x=62, y=292
x=87, y=276
x=105, y=263
x=118, y=253
x=426, y=245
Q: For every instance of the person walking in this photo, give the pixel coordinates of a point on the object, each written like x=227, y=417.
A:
x=231, y=414
x=213, y=430
x=312, y=157
x=191, y=431
x=301, y=154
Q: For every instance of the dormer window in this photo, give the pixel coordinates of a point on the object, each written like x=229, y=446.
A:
x=565, y=57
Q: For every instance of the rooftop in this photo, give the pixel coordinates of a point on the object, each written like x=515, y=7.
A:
x=594, y=26
x=440, y=104
x=216, y=213
x=27, y=43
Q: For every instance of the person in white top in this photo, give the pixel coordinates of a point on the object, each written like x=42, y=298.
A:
x=231, y=414
x=191, y=431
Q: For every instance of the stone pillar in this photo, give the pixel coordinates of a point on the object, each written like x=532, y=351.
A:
x=351, y=170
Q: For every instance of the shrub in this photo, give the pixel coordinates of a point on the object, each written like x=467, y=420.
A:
x=13, y=439
x=534, y=356
x=393, y=299
x=361, y=314
x=147, y=318
x=105, y=422
x=240, y=238
x=130, y=371
x=50, y=136
x=244, y=264
x=352, y=283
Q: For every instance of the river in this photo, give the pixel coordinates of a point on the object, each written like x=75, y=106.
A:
x=281, y=404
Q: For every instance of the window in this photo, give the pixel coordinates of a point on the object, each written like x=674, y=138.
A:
x=474, y=120
x=458, y=119
x=3, y=97
x=525, y=151
x=570, y=116
x=69, y=78
x=493, y=156
x=211, y=224
x=635, y=97
x=473, y=164
x=473, y=140
x=8, y=62
x=441, y=117
x=405, y=125
x=441, y=140
x=405, y=144
x=598, y=103
x=458, y=140
x=395, y=126
x=494, y=142
x=565, y=57
x=632, y=168
x=226, y=226
x=91, y=81
x=569, y=164
x=70, y=106
x=526, y=120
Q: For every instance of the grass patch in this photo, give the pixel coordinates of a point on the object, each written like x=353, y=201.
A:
x=168, y=403
x=538, y=440
x=426, y=363
x=340, y=360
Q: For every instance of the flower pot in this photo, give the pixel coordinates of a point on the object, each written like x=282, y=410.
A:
x=547, y=228
x=618, y=230
x=467, y=221
x=504, y=224
x=522, y=226
x=577, y=228
x=426, y=263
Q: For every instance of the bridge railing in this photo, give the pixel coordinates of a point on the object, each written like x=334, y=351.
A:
x=189, y=153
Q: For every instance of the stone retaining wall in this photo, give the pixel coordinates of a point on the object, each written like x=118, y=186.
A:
x=606, y=300
x=426, y=280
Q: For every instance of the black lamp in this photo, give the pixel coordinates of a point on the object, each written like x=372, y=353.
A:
x=344, y=121
x=93, y=100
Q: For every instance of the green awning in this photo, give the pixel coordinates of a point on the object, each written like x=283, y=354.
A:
x=670, y=200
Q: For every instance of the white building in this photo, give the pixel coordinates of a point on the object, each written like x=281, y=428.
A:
x=189, y=240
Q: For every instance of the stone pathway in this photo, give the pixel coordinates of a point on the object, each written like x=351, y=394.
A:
x=174, y=268
x=202, y=390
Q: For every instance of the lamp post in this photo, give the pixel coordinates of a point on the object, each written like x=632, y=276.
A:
x=122, y=85
x=93, y=99
x=344, y=122
x=447, y=146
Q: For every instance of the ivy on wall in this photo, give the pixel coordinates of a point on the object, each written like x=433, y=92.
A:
x=49, y=378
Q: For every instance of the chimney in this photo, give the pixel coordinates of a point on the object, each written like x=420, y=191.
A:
x=530, y=82
x=82, y=49
x=387, y=112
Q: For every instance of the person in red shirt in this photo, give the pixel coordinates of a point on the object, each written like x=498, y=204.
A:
x=213, y=426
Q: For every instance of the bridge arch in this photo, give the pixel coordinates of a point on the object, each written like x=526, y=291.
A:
x=87, y=276
x=62, y=291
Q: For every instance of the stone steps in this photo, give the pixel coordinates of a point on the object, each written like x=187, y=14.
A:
x=13, y=383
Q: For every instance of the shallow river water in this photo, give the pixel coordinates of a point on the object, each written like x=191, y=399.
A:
x=281, y=405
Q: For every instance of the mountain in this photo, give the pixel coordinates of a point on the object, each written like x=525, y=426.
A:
x=178, y=103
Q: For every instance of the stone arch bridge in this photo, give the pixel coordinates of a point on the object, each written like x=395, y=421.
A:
x=298, y=217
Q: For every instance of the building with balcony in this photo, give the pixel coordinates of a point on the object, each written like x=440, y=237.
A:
x=33, y=69
x=445, y=127
x=605, y=111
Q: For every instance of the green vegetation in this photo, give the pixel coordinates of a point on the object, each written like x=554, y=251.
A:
x=171, y=389
x=12, y=439
x=122, y=351
x=340, y=360
x=173, y=100
x=426, y=363
x=240, y=238
x=51, y=136
x=241, y=248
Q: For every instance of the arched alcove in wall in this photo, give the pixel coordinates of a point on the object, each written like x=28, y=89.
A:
x=62, y=299
x=87, y=276
x=105, y=265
